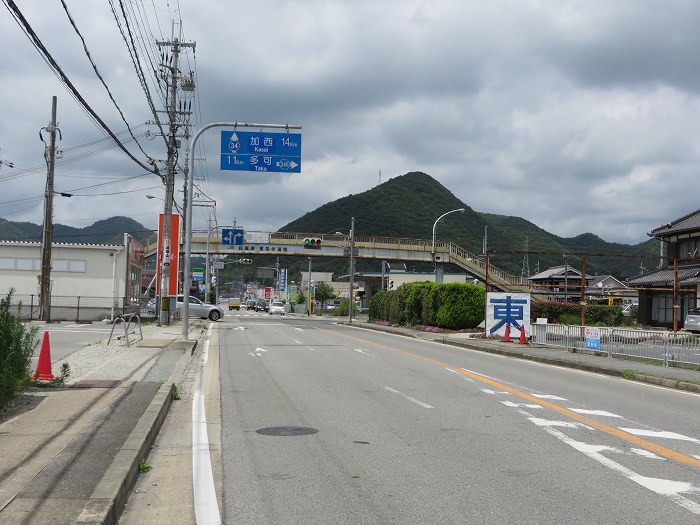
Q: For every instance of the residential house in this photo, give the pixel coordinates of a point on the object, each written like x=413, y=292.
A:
x=563, y=283
x=678, y=274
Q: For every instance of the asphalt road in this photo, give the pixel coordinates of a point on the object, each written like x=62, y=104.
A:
x=323, y=423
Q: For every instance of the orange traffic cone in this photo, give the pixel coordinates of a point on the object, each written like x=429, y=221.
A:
x=506, y=337
x=523, y=339
x=43, y=370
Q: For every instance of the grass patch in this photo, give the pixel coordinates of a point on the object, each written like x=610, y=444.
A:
x=144, y=466
x=175, y=394
x=628, y=374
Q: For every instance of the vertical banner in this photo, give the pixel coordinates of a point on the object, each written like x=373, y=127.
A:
x=172, y=249
x=283, y=280
x=505, y=308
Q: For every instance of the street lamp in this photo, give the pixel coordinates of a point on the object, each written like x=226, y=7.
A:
x=438, y=277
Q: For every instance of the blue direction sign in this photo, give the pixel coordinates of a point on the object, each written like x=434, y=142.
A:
x=232, y=236
x=261, y=151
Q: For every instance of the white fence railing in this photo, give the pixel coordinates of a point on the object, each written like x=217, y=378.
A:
x=665, y=347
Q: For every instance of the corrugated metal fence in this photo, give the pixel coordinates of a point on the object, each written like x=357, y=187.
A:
x=664, y=347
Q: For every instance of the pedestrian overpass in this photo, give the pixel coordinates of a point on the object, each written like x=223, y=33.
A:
x=365, y=247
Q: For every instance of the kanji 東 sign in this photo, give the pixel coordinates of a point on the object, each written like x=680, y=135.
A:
x=507, y=309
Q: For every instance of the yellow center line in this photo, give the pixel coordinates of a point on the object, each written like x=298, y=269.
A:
x=626, y=436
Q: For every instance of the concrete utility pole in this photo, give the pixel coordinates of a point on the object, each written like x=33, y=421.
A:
x=172, y=78
x=47, y=236
x=352, y=269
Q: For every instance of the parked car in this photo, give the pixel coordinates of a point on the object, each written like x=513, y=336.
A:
x=197, y=308
x=277, y=307
x=692, y=320
x=250, y=304
x=151, y=306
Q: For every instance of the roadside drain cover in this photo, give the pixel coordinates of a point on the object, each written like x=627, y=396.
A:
x=286, y=431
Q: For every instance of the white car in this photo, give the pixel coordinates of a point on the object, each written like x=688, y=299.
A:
x=197, y=308
x=277, y=307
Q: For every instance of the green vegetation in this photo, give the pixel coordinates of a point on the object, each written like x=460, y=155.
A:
x=175, y=394
x=569, y=313
x=144, y=466
x=323, y=292
x=450, y=306
x=16, y=348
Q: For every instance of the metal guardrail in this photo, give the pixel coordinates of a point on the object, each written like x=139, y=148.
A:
x=667, y=348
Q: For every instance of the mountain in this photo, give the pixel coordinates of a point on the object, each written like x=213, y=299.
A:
x=407, y=206
x=107, y=231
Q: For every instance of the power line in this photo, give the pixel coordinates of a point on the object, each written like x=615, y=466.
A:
x=48, y=58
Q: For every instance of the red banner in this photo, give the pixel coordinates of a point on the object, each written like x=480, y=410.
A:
x=170, y=250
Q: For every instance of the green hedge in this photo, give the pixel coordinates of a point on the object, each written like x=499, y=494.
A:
x=452, y=306
x=595, y=314
x=16, y=348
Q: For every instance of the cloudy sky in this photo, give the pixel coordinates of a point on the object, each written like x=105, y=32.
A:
x=580, y=116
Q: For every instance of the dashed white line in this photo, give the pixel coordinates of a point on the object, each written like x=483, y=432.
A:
x=408, y=398
x=593, y=412
x=659, y=434
x=549, y=396
x=566, y=424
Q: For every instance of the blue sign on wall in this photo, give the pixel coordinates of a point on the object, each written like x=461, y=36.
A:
x=261, y=151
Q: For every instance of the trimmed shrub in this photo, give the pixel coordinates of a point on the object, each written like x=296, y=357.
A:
x=16, y=348
x=462, y=306
x=569, y=313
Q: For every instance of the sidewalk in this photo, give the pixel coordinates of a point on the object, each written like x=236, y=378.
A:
x=672, y=377
x=74, y=457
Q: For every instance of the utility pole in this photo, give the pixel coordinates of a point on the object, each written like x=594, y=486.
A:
x=171, y=77
x=352, y=269
x=47, y=236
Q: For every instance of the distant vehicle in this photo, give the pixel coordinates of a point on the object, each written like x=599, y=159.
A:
x=261, y=306
x=234, y=303
x=250, y=304
x=151, y=306
x=197, y=308
x=277, y=307
x=692, y=320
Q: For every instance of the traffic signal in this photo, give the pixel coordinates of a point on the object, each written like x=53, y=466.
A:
x=245, y=261
x=391, y=284
x=312, y=243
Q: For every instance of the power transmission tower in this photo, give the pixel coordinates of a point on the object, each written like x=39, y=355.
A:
x=525, y=271
x=172, y=77
x=47, y=235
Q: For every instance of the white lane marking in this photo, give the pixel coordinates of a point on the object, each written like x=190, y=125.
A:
x=664, y=487
x=489, y=391
x=297, y=328
x=480, y=374
x=206, y=508
x=361, y=351
x=593, y=412
x=646, y=454
x=408, y=398
x=460, y=375
x=297, y=342
x=566, y=424
x=549, y=396
x=518, y=405
x=659, y=434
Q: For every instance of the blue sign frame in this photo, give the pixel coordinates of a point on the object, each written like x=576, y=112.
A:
x=260, y=151
x=232, y=236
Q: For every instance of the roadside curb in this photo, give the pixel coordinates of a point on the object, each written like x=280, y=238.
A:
x=522, y=354
x=112, y=492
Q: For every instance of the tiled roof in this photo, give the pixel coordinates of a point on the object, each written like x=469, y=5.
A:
x=690, y=222
x=687, y=275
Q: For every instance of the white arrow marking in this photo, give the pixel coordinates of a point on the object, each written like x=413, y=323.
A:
x=361, y=351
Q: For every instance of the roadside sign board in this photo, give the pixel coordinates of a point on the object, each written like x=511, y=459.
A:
x=260, y=151
x=217, y=265
x=592, y=335
x=232, y=236
x=198, y=275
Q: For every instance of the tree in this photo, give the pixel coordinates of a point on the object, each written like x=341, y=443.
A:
x=323, y=293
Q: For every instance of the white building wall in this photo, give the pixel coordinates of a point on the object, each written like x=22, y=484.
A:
x=77, y=270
